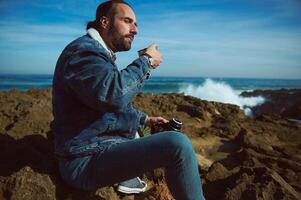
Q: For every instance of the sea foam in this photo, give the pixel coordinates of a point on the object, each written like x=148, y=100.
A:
x=222, y=92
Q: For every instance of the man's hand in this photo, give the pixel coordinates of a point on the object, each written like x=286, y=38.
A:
x=153, y=121
x=152, y=50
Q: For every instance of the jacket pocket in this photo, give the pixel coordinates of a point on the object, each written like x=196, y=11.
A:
x=84, y=149
x=87, y=141
x=94, y=146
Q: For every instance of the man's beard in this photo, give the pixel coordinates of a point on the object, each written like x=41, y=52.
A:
x=119, y=41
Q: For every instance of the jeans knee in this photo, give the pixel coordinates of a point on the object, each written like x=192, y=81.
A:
x=179, y=144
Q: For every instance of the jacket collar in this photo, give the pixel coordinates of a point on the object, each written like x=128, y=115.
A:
x=93, y=33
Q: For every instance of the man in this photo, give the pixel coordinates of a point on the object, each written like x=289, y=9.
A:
x=94, y=121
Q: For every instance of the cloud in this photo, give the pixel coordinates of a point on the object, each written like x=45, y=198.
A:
x=25, y=33
x=195, y=37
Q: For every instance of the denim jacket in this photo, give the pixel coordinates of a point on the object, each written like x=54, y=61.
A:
x=92, y=99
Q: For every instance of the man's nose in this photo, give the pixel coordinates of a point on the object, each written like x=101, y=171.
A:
x=134, y=29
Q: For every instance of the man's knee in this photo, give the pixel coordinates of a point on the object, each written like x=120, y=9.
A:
x=178, y=143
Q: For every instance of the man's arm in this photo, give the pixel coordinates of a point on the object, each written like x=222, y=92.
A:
x=99, y=84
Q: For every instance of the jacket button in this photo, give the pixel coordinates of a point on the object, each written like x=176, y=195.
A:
x=147, y=75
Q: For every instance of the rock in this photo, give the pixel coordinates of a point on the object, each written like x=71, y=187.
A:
x=29, y=185
x=107, y=193
x=283, y=102
x=285, y=185
x=160, y=192
x=216, y=172
x=203, y=162
x=239, y=157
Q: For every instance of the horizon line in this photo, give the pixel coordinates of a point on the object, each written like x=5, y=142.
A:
x=163, y=76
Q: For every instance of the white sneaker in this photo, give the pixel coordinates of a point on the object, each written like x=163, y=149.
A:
x=132, y=186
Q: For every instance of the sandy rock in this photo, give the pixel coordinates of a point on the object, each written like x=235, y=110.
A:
x=277, y=102
x=29, y=185
x=107, y=193
x=216, y=172
x=239, y=157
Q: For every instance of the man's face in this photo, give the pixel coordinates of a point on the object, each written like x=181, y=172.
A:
x=122, y=29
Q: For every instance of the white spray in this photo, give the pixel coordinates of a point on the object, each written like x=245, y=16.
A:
x=222, y=92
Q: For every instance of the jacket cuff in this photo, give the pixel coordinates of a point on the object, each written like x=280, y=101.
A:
x=148, y=68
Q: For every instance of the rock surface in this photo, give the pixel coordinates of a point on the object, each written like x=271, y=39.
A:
x=239, y=157
x=284, y=102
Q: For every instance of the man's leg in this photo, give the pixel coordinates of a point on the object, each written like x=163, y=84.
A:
x=171, y=150
x=133, y=185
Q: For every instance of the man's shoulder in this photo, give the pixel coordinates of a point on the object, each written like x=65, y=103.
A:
x=85, y=43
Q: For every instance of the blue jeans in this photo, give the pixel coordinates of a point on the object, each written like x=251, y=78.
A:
x=171, y=150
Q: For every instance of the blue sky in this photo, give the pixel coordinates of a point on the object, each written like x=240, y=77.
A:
x=221, y=38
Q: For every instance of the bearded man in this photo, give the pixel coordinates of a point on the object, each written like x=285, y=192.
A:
x=95, y=124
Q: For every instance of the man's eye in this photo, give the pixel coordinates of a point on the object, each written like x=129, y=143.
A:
x=127, y=21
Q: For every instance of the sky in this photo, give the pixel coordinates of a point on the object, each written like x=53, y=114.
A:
x=199, y=38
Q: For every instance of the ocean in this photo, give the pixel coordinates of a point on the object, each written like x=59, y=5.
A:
x=25, y=82
x=225, y=90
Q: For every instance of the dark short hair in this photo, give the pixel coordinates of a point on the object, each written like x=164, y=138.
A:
x=107, y=9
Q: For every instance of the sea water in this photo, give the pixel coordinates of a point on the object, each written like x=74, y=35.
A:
x=224, y=90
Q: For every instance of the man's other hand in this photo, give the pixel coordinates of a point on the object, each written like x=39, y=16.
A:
x=152, y=50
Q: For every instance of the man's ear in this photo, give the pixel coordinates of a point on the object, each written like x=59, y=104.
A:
x=104, y=22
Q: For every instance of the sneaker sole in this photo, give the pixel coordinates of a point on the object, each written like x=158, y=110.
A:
x=127, y=190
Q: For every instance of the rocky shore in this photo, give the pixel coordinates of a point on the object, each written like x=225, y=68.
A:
x=240, y=157
x=284, y=102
